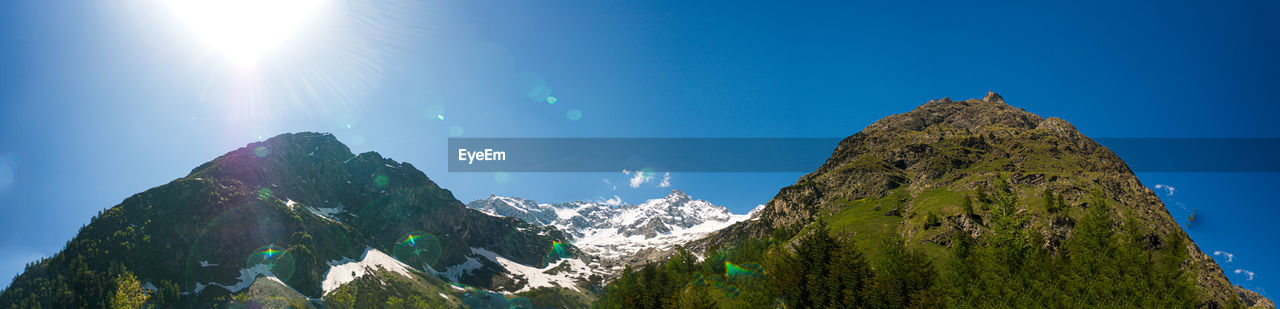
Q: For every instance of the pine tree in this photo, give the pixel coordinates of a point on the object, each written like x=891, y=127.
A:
x=905, y=277
x=815, y=251
x=850, y=277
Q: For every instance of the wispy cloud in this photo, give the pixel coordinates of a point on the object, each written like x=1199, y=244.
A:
x=1245, y=272
x=666, y=180
x=614, y=202
x=1230, y=257
x=640, y=177
x=1169, y=190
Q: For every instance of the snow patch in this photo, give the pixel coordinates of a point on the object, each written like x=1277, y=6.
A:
x=277, y=280
x=457, y=271
x=327, y=213
x=247, y=275
x=538, y=277
x=346, y=270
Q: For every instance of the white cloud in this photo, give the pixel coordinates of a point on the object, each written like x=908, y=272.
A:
x=666, y=180
x=615, y=201
x=1246, y=272
x=1230, y=257
x=626, y=172
x=1169, y=190
x=640, y=177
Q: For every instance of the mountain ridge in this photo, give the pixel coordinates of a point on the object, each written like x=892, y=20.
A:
x=301, y=203
x=623, y=234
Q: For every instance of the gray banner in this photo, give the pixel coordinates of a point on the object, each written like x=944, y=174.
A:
x=806, y=154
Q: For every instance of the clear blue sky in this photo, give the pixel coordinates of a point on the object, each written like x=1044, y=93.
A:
x=101, y=101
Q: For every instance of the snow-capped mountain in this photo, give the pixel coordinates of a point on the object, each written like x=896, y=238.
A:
x=624, y=232
x=523, y=209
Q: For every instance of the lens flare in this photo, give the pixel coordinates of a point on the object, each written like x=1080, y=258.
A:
x=418, y=249
x=559, y=249
x=381, y=180
x=735, y=270
x=409, y=240
x=455, y=131
x=270, y=253
x=573, y=114
x=552, y=100
x=272, y=260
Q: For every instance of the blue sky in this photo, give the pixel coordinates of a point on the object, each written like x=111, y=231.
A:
x=101, y=101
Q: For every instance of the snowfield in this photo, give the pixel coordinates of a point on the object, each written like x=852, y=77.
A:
x=346, y=270
x=538, y=277
x=618, y=232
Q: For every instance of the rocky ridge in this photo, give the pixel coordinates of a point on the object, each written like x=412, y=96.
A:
x=961, y=147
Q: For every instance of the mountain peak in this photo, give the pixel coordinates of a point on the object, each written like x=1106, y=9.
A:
x=973, y=114
x=993, y=97
x=677, y=196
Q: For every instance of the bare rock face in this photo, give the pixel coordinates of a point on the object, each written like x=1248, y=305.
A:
x=992, y=97
x=1252, y=299
x=964, y=146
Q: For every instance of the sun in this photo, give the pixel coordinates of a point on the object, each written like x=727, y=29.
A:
x=244, y=31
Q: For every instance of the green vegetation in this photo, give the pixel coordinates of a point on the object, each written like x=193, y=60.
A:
x=1103, y=264
x=129, y=293
x=822, y=272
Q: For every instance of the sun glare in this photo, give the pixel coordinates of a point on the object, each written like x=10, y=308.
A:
x=245, y=30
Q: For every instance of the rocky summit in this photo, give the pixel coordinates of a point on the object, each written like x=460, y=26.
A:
x=911, y=174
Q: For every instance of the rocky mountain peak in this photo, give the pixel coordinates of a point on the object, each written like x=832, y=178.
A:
x=908, y=161
x=973, y=114
x=993, y=97
x=677, y=197
x=305, y=195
